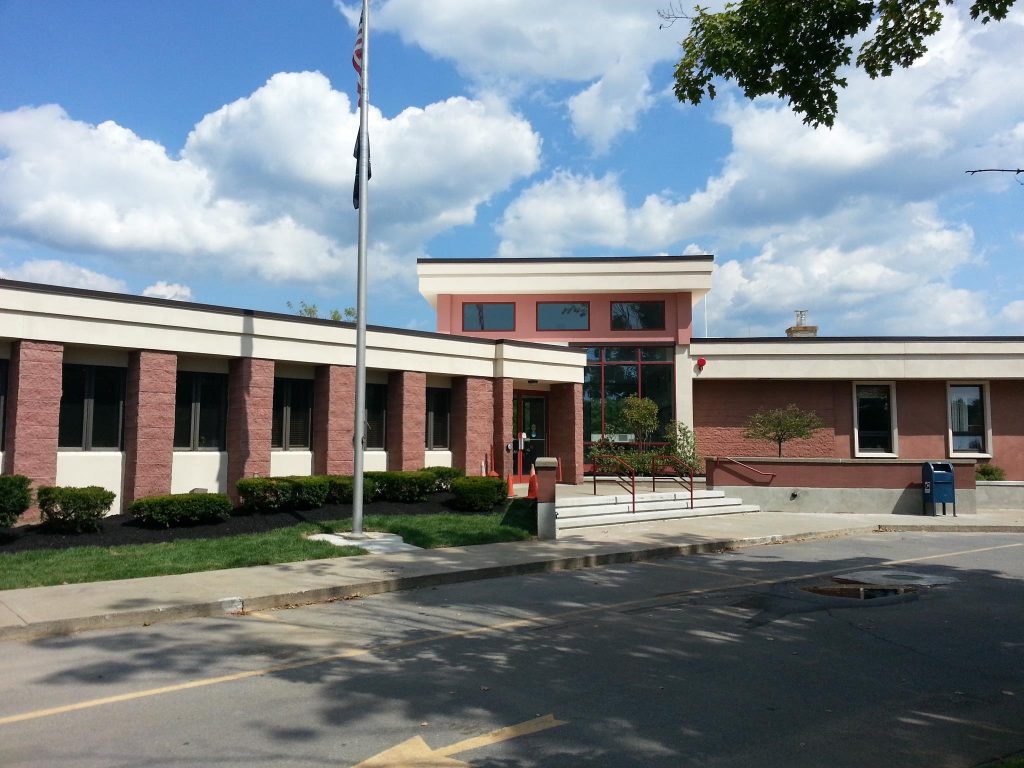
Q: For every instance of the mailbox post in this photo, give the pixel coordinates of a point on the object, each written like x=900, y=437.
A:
x=937, y=486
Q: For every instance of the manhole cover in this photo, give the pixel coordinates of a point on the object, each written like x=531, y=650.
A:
x=894, y=578
x=860, y=591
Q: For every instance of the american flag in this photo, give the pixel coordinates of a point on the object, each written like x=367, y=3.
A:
x=357, y=64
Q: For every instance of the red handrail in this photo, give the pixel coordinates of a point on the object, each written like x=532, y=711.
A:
x=667, y=459
x=747, y=466
x=632, y=473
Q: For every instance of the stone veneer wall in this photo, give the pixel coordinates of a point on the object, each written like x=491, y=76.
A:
x=250, y=410
x=333, y=419
x=406, y=420
x=33, y=413
x=149, y=424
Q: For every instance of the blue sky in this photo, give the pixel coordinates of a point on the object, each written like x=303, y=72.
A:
x=202, y=151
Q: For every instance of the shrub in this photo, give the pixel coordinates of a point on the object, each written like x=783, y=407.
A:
x=478, y=494
x=443, y=477
x=181, y=509
x=683, y=444
x=408, y=487
x=74, y=509
x=308, y=492
x=781, y=425
x=264, y=494
x=989, y=472
x=339, y=489
x=15, y=498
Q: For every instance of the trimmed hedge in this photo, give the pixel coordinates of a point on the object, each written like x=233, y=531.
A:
x=181, y=509
x=265, y=494
x=478, y=494
x=15, y=498
x=309, y=492
x=443, y=477
x=339, y=489
x=74, y=509
x=407, y=487
x=989, y=472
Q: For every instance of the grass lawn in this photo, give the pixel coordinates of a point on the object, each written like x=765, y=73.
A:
x=46, y=567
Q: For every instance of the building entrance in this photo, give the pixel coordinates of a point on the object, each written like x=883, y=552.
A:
x=529, y=425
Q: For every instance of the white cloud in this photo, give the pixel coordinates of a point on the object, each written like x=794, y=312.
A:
x=263, y=185
x=161, y=289
x=609, y=46
x=55, y=272
x=1012, y=316
x=850, y=223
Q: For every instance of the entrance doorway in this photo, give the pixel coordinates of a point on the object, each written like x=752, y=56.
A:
x=529, y=415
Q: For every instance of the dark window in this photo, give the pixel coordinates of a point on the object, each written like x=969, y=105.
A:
x=293, y=414
x=874, y=418
x=200, y=411
x=439, y=405
x=563, y=316
x=488, y=317
x=638, y=315
x=3, y=402
x=376, y=415
x=91, y=407
x=967, y=418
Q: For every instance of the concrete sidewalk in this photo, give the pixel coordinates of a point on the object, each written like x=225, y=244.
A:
x=43, y=611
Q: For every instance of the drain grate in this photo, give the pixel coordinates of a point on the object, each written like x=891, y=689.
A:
x=860, y=591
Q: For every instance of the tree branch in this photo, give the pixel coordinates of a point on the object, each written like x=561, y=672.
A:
x=995, y=170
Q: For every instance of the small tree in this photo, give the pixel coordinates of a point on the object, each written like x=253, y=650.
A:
x=312, y=310
x=782, y=424
x=640, y=416
x=683, y=444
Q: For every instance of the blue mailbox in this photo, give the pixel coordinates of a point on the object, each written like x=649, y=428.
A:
x=937, y=486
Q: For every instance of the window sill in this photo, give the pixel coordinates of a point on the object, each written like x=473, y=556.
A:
x=970, y=455
x=859, y=455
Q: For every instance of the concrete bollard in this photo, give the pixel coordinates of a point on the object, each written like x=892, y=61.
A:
x=547, y=475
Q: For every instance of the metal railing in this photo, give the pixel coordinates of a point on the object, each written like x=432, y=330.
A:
x=668, y=460
x=747, y=466
x=619, y=478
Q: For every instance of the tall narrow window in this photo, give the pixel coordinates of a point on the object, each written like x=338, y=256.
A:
x=3, y=402
x=482, y=316
x=875, y=419
x=968, y=421
x=438, y=411
x=638, y=315
x=91, y=408
x=201, y=411
x=376, y=415
x=293, y=415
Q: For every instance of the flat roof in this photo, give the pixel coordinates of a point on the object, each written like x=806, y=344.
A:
x=564, y=259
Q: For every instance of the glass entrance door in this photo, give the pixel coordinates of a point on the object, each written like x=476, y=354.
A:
x=529, y=415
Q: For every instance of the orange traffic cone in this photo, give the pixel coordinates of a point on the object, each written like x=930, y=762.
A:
x=531, y=492
x=511, y=488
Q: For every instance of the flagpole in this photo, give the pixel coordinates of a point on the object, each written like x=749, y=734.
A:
x=359, y=422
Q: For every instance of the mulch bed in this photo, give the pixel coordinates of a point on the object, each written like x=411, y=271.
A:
x=122, y=529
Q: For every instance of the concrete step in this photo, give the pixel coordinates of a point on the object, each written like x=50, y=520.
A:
x=617, y=504
x=597, y=501
x=622, y=518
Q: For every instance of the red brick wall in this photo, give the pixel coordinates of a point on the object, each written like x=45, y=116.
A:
x=33, y=413
x=502, y=426
x=333, y=418
x=149, y=424
x=472, y=424
x=406, y=419
x=851, y=473
x=921, y=419
x=565, y=429
x=1006, y=399
x=250, y=407
x=721, y=408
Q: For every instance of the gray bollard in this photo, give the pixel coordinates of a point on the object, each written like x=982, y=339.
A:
x=547, y=474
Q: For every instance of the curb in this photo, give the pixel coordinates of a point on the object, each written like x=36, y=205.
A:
x=968, y=528
x=241, y=606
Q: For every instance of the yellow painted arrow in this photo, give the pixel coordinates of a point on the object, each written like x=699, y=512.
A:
x=416, y=753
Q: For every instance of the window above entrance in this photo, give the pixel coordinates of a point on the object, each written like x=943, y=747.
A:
x=563, y=315
x=480, y=316
x=638, y=315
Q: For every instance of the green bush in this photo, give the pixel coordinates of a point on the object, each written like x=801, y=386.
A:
x=339, y=489
x=15, y=498
x=265, y=494
x=443, y=477
x=408, y=487
x=478, y=494
x=74, y=509
x=309, y=492
x=181, y=509
x=989, y=472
